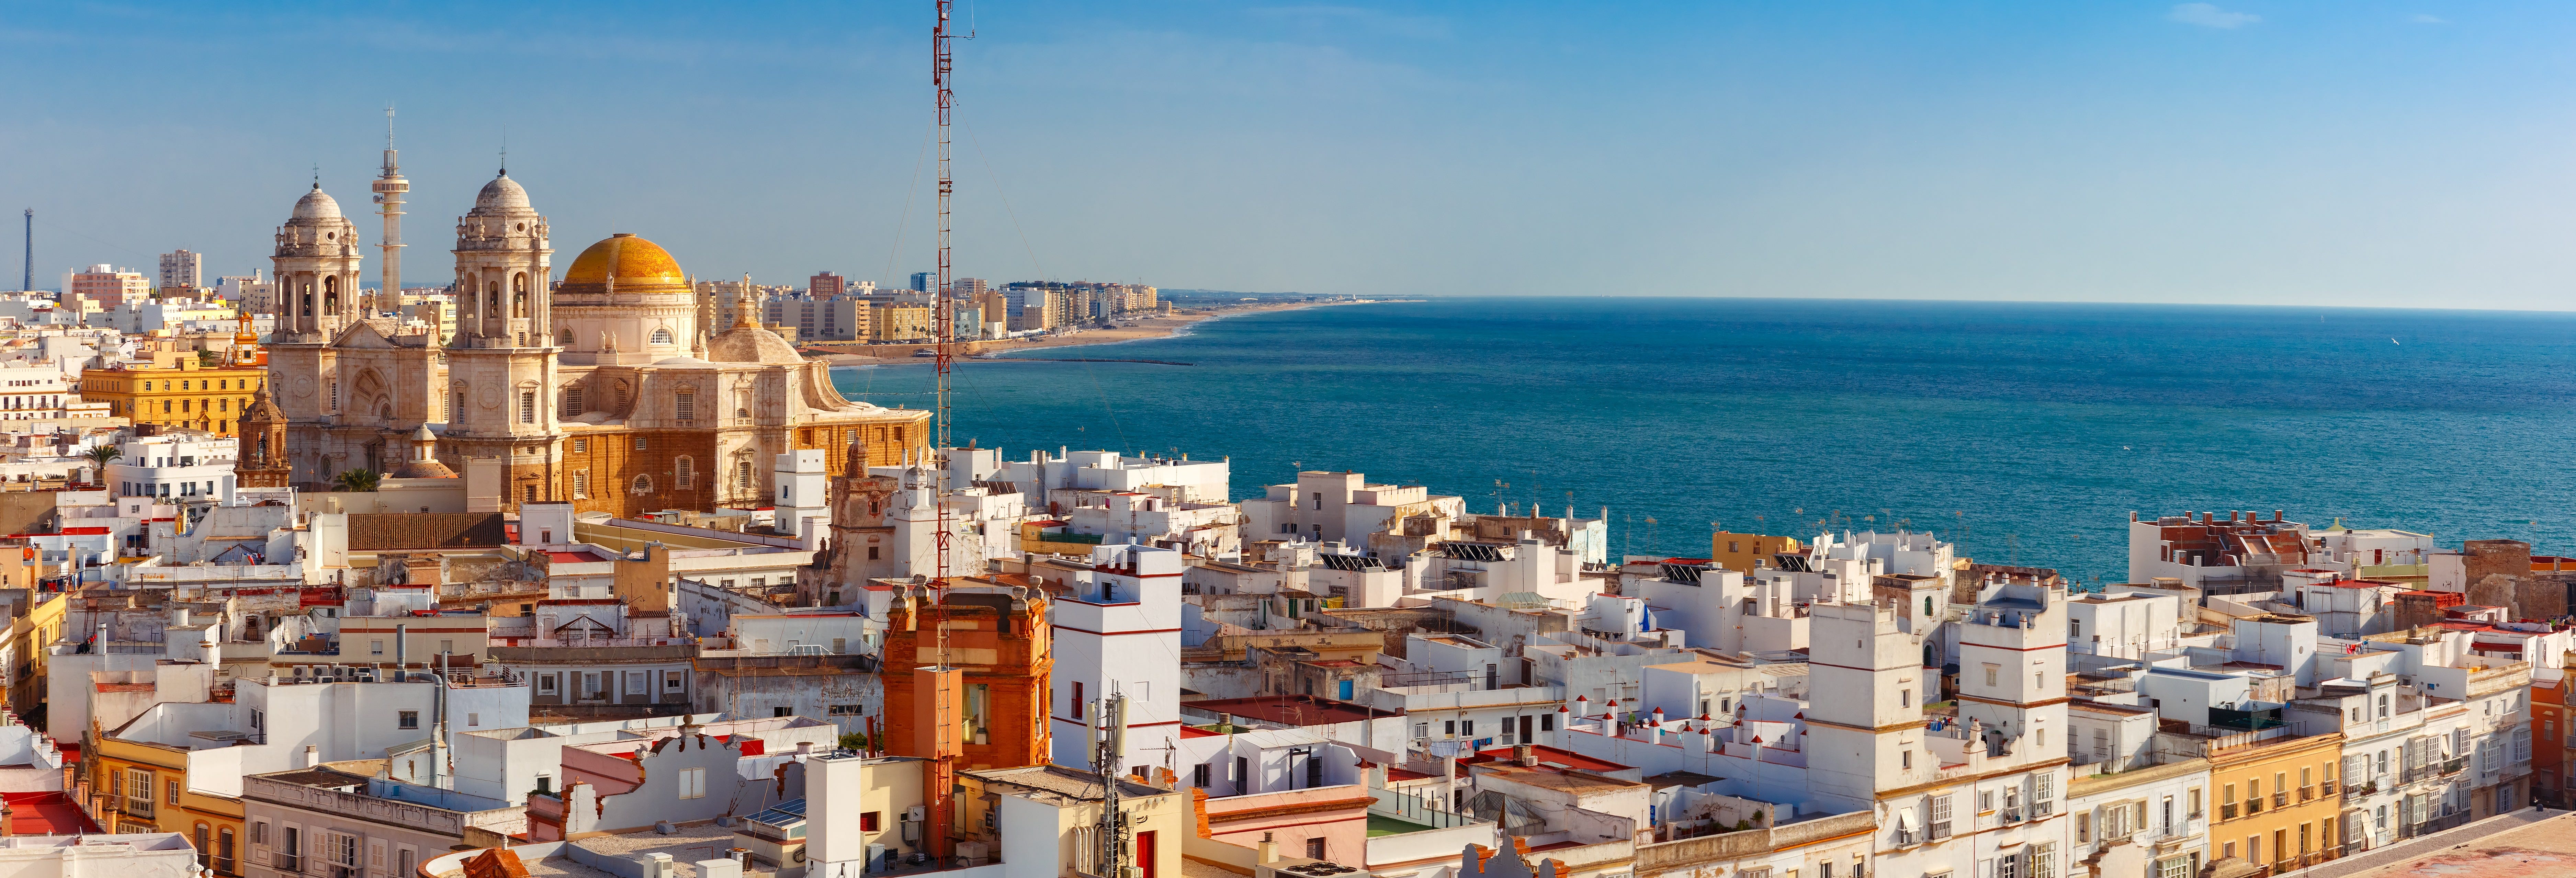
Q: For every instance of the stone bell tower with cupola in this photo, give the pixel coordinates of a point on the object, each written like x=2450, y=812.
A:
x=503, y=271
x=501, y=364
x=317, y=271
x=263, y=458
x=317, y=265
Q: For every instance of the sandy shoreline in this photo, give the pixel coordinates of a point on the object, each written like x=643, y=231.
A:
x=1139, y=330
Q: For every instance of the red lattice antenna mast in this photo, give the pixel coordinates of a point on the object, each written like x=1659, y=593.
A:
x=943, y=317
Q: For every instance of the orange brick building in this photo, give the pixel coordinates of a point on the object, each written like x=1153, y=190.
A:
x=999, y=639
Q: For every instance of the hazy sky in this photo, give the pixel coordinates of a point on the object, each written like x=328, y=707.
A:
x=2345, y=153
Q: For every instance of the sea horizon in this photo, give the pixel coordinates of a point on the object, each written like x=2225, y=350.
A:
x=2025, y=435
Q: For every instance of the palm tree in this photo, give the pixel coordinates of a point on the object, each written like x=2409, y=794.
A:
x=360, y=480
x=101, y=454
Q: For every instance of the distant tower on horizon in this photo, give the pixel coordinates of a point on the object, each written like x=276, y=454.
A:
x=390, y=188
x=27, y=276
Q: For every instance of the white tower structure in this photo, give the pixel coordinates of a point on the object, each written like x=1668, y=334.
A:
x=317, y=271
x=1119, y=631
x=390, y=187
x=803, y=504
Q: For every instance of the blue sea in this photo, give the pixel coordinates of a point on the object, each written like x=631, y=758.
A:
x=2026, y=433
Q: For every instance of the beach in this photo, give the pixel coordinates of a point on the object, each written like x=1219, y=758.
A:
x=1130, y=330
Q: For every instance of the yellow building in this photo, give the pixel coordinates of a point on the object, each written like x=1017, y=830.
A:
x=2277, y=799
x=176, y=390
x=31, y=639
x=899, y=322
x=146, y=790
x=1741, y=552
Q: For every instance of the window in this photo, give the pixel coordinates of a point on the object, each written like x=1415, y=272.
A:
x=224, y=851
x=2043, y=860
x=572, y=401
x=581, y=445
x=868, y=821
x=1940, y=823
x=693, y=783
x=643, y=484
x=473, y=719
x=170, y=795
x=1199, y=775
x=635, y=684
x=546, y=683
x=662, y=336
x=527, y=407
x=410, y=719
x=1985, y=801
x=375, y=647
x=683, y=472
x=639, y=443
x=670, y=681
x=742, y=475
x=684, y=404
x=1990, y=674
x=290, y=850
x=581, y=485
x=138, y=793
x=1905, y=698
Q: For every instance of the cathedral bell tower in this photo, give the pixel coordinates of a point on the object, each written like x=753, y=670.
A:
x=501, y=364
x=317, y=271
x=502, y=271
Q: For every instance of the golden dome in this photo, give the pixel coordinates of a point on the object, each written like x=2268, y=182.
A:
x=637, y=263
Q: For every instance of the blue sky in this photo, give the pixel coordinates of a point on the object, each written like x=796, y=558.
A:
x=2328, y=153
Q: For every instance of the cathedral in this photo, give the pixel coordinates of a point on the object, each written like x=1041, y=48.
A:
x=610, y=389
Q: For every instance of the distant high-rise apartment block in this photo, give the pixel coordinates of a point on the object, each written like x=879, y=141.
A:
x=968, y=287
x=182, y=270
x=921, y=280
x=840, y=318
x=111, y=287
x=825, y=285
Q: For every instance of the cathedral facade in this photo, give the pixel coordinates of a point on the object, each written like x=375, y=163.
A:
x=610, y=389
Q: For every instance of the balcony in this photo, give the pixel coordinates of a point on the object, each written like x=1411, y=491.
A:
x=2227, y=811
x=2454, y=766
x=2352, y=794
x=2281, y=799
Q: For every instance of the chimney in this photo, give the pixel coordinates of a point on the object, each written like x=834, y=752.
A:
x=1526, y=755
x=402, y=653
x=312, y=756
x=1267, y=851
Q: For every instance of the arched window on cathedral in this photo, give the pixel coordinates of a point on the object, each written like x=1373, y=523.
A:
x=643, y=484
x=330, y=293
x=492, y=299
x=661, y=336
x=563, y=338
x=519, y=295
